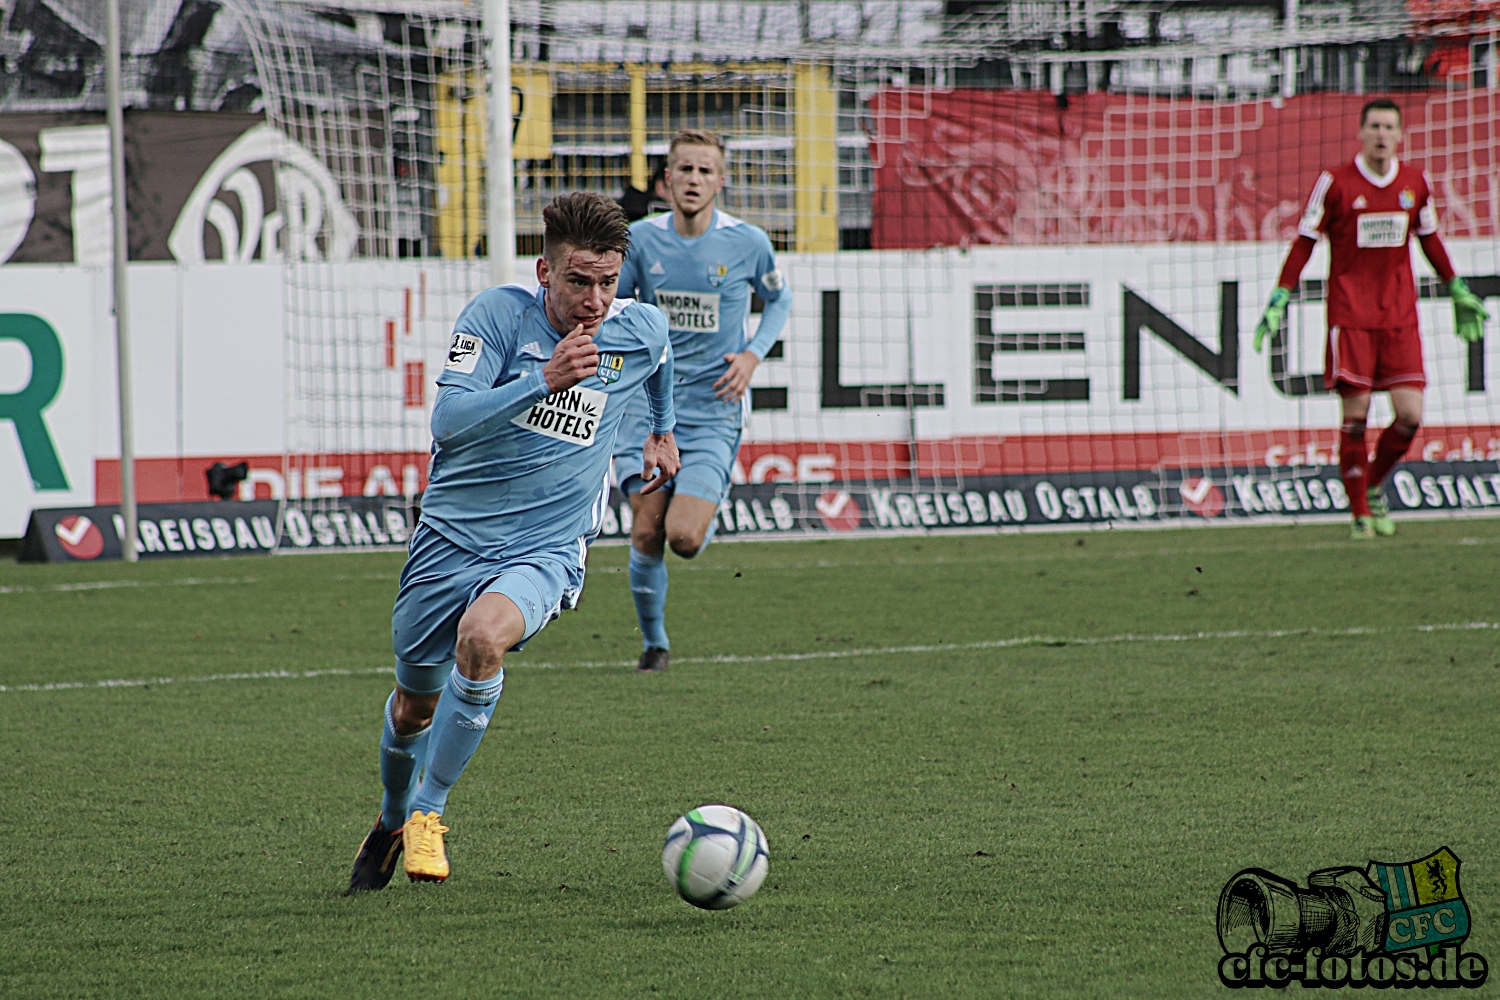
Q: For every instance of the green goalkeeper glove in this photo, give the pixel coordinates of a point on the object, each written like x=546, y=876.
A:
x=1469, y=316
x=1275, y=312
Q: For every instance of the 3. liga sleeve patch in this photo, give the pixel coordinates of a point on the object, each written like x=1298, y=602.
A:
x=772, y=280
x=464, y=352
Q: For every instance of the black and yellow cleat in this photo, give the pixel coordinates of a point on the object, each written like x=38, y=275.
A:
x=376, y=861
x=426, y=858
x=653, y=661
x=1362, y=530
x=1380, y=512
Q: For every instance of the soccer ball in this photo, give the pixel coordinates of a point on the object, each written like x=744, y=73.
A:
x=715, y=857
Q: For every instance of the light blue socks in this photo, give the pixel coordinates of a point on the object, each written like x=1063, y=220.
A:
x=401, y=759
x=648, y=585
x=458, y=724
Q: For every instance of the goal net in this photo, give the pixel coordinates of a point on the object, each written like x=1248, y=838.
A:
x=1027, y=242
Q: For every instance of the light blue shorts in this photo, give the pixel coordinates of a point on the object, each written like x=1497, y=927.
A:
x=440, y=581
x=707, y=460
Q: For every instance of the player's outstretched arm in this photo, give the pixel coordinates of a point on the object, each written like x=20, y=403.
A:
x=735, y=382
x=659, y=394
x=463, y=415
x=1291, y=273
x=772, y=322
x=660, y=450
x=574, y=359
x=1271, y=319
x=1469, y=315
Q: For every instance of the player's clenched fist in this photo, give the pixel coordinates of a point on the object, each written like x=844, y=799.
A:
x=574, y=359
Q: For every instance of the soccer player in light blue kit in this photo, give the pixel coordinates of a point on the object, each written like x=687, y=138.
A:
x=532, y=396
x=699, y=265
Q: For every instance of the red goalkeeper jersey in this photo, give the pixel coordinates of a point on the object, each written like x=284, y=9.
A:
x=1368, y=221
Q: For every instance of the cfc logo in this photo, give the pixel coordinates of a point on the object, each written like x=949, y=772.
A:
x=1399, y=924
x=716, y=273
x=611, y=366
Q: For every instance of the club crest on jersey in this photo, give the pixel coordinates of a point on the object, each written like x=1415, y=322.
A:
x=1407, y=199
x=611, y=367
x=717, y=273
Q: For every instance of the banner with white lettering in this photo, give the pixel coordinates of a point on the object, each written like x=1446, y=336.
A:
x=163, y=531
x=1162, y=496
x=346, y=524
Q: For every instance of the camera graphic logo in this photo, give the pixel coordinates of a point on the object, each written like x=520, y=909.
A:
x=1401, y=925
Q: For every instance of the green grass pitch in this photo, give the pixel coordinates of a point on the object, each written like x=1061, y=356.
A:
x=961, y=817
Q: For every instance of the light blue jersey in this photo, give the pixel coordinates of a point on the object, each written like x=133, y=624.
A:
x=703, y=285
x=516, y=470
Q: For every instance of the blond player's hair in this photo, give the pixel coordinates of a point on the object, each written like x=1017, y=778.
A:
x=696, y=137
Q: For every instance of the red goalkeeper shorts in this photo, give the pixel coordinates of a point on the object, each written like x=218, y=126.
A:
x=1368, y=360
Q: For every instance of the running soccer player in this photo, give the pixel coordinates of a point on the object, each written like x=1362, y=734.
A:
x=531, y=398
x=699, y=265
x=1367, y=209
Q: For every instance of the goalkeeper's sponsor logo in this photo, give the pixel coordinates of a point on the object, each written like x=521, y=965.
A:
x=693, y=312
x=572, y=415
x=1382, y=230
x=464, y=352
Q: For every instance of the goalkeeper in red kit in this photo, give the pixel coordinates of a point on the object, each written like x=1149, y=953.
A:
x=1368, y=209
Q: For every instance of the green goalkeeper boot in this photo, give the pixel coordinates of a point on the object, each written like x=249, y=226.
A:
x=1380, y=512
x=1362, y=530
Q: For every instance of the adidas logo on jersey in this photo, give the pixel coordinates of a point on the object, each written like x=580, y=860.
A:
x=1360, y=202
x=657, y=269
x=533, y=350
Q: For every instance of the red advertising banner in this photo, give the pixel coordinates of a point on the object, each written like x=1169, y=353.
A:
x=974, y=167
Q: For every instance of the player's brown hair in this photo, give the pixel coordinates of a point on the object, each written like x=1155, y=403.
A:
x=584, y=220
x=1379, y=104
x=696, y=137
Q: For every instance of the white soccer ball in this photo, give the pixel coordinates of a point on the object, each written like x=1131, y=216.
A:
x=715, y=857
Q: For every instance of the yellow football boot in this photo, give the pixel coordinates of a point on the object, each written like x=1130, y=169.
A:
x=1362, y=530
x=422, y=837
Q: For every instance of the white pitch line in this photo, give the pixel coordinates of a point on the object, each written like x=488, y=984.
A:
x=190, y=581
x=831, y=654
x=259, y=675
x=1033, y=640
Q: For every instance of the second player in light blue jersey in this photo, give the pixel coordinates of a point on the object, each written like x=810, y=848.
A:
x=700, y=266
x=534, y=390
